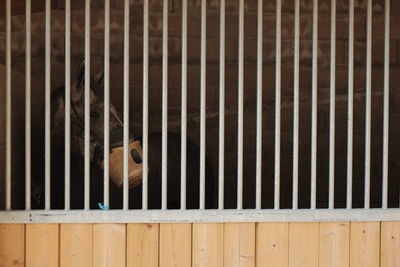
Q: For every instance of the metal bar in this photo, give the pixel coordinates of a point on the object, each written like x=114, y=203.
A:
x=221, y=141
x=203, y=105
x=47, y=104
x=349, y=188
x=184, y=105
x=176, y=216
x=164, y=152
x=277, y=178
x=386, y=108
x=331, y=203
x=296, y=104
x=259, y=103
x=126, y=107
x=240, y=108
x=87, y=106
x=8, y=106
x=314, y=107
x=106, y=101
x=145, y=102
x=28, y=129
x=368, y=108
x=67, y=155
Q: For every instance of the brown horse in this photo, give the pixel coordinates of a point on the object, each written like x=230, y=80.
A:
x=97, y=136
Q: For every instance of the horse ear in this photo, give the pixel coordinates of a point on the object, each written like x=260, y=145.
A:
x=79, y=77
x=97, y=80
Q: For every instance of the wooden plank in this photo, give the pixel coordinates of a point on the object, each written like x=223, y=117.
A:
x=390, y=244
x=42, y=245
x=303, y=244
x=109, y=245
x=76, y=247
x=142, y=245
x=364, y=244
x=272, y=244
x=208, y=244
x=175, y=244
x=334, y=244
x=239, y=244
x=12, y=245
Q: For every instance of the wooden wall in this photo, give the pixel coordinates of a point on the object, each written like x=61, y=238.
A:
x=202, y=244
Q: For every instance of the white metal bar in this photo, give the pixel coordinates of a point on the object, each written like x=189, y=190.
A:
x=176, y=216
x=47, y=104
x=368, y=108
x=314, y=107
x=106, y=101
x=386, y=108
x=67, y=155
x=87, y=106
x=331, y=203
x=126, y=106
x=240, y=107
x=259, y=103
x=278, y=37
x=349, y=188
x=145, y=102
x=296, y=104
x=8, y=106
x=203, y=105
x=184, y=105
x=28, y=123
x=221, y=139
x=164, y=152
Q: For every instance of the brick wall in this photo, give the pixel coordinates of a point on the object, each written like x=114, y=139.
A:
x=155, y=50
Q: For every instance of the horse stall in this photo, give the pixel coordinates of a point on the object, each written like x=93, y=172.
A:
x=200, y=133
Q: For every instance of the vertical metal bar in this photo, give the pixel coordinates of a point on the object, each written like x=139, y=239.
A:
x=126, y=106
x=8, y=105
x=67, y=155
x=145, y=102
x=164, y=106
x=106, y=101
x=296, y=104
x=184, y=105
x=259, y=103
x=48, y=104
x=332, y=108
x=386, y=108
x=277, y=179
x=87, y=105
x=221, y=143
x=240, y=107
x=28, y=105
x=314, y=106
x=349, y=188
x=368, y=108
x=203, y=105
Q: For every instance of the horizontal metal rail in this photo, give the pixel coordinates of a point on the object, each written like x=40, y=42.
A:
x=171, y=216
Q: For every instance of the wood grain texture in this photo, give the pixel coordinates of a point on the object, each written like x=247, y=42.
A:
x=390, y=244
x=239, y=245
x=109, y=245
x=142, y=245
x=303, y=244
x=12, y=245
x=76, y=247
x=334, y=244
x=42, y=245
x=364, y=244
x=175, y=244
x=208, y=244
x=272, y=244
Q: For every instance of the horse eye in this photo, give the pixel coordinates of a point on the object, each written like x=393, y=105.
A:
x=94, y=114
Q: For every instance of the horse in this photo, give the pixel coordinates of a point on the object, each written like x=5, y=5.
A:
x=96, y=157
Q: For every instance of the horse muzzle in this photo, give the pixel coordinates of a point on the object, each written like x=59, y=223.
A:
x=116, y=164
